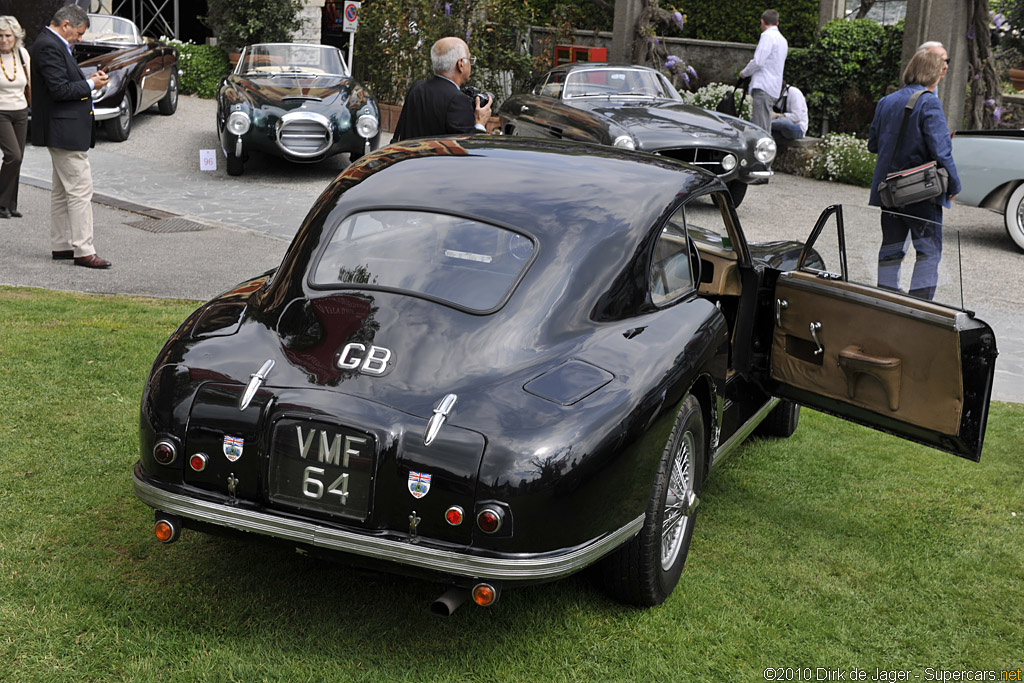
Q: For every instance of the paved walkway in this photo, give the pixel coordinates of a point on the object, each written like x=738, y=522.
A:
x=239, y=227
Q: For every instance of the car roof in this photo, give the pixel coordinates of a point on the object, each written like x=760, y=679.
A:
x=544, y=188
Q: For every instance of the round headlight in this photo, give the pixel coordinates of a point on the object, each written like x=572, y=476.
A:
x=367, y=125
x=625, y=141
x=765, y=150
x=728, y=162
x=238, y=123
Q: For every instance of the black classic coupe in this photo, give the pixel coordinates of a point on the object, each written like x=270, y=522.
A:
x=294, y=101
x=635, y=107
x=496, y=361
x=143, y=72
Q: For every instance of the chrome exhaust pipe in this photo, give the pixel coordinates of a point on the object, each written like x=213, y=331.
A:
x=452, y=599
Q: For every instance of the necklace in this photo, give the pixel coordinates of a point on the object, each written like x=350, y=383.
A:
x=4, y=69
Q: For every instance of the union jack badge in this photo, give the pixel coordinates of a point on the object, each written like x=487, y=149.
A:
x=233, y=447
x=419, y=484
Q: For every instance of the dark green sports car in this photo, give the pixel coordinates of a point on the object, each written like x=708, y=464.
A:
x=295, y=101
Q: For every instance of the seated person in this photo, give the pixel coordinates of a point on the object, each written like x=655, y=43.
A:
x=789, y=114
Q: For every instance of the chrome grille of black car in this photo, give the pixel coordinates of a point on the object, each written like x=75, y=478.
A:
x=304, y=137
x=710, y=159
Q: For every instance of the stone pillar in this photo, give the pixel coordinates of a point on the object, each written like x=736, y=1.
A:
x=829, y=10
x=624, y=30
x=944, y=21
x=311, y=17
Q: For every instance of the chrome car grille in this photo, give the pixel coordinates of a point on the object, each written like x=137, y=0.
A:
x=304, y=134
x=710, y=159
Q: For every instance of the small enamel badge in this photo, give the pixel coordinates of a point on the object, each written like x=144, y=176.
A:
x=233, y=447
x=419, y=484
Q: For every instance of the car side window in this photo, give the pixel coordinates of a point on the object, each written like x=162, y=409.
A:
x=706, y=224
x=671, y=273
x=552, y=86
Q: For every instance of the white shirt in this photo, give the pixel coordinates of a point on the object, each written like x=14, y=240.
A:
x=796, y=108
x=765, y=69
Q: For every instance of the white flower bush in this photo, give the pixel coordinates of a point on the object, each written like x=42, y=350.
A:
x=844, y=158
x=711, y=94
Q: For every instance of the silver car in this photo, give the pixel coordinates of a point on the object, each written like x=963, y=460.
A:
x=992, y=175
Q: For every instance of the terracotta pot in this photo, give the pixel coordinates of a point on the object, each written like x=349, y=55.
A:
x=1017, y=78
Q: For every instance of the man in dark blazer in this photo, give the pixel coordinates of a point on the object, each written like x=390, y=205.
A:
x=438, y=106
x=62, y=121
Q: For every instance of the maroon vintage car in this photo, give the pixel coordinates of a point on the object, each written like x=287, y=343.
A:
x=143, y=72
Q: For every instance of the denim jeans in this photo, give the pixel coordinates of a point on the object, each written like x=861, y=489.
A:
x=923, y=223
x=784, y=128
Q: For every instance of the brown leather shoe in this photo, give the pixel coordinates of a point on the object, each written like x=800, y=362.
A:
x=66, y=254
x=91, y=261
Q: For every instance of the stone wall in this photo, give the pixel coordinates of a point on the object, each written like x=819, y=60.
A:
x=311, y=17
x=715, y=62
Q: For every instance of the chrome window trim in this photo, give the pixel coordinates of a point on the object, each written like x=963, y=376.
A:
x=518, y=568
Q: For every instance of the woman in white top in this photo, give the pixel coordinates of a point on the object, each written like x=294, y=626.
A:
x=14, y=77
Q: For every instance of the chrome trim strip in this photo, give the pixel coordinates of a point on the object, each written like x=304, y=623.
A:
x=729, y=447
x=519, y=567
x=952, y=320
x=761, y=174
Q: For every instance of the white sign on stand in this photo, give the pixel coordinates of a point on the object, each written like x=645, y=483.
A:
x=350, y=24
x=207, y=160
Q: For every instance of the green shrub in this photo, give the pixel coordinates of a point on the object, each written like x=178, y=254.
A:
x=739, y=20
x=238, y=23
x=711, y=94
x=846, y=71
x=202, y=68
x=843, y=158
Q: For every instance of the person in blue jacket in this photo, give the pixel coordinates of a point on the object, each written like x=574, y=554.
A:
x=926, y=139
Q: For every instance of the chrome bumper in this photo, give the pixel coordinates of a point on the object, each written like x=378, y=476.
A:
x=104, y=113
x=517, y=568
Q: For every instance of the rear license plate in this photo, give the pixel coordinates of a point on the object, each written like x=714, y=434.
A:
x=323, y=467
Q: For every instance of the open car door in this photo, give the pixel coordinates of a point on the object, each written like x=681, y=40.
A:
x=920, y=369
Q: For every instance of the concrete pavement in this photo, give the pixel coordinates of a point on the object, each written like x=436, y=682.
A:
x=172, y=230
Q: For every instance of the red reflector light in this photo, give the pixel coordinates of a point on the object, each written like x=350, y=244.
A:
x=454, y=515
x=489, y=520
x=198, y=462
x=164, y=531
x=484, y=595
x=164, y=452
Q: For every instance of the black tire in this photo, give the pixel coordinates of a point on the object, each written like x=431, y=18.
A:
x=781, y=422
x=645, y=570
x=169, y=103
x=738, y=190
x=235, y=165
x=120, y=127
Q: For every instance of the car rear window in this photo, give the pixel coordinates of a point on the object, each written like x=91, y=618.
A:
x=464, y=262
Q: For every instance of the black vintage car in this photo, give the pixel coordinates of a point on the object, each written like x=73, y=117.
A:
x=294, y=101
x=509, y=381
x=143, y=72
x=636, y=107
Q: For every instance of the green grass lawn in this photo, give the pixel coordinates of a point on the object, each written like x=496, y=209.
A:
x=839, y=547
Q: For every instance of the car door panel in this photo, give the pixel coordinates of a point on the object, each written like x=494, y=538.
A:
x=910, y=367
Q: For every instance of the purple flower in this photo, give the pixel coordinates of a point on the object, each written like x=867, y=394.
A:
x=677, y=17
x=990, y=102
x=686, y=79
x=997, y=114
x=970, y=33
x=672, y=63
x=447, y=9
x=690, y=70
x=999, y=20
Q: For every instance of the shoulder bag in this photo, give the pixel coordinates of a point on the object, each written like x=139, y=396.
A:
x=915, y=184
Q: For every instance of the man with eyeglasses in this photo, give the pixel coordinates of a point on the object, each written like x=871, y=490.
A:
x=939, y=49
x=439, y=106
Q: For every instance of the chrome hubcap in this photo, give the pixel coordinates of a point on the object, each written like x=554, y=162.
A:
x=680, y=502
x=124, y=115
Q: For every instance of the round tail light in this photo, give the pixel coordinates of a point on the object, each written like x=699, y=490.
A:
x=454, y=515
x=489, y=520
x=198, y=461
x=484, y=594
x=164, y=452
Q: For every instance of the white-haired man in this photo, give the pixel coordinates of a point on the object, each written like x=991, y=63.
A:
x=939, y=49
x=438, y=106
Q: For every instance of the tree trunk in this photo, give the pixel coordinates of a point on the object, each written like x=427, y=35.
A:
x=985, y=92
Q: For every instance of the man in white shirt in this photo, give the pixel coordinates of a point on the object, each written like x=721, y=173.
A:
x=789, y=114
x=765, y=70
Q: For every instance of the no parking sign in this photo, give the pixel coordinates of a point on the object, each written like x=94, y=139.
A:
x=350, y=17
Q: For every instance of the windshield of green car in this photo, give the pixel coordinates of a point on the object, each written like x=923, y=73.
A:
x=618, y=82
x=291, y=59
